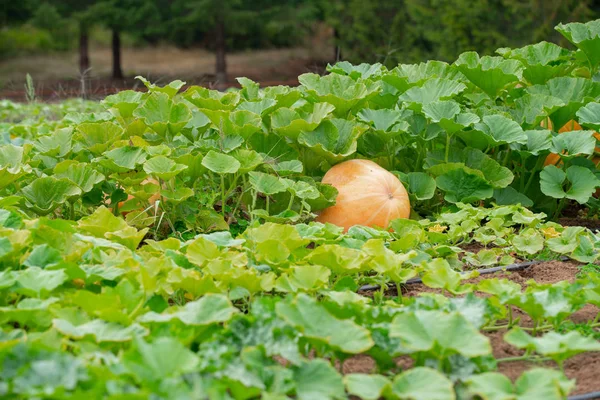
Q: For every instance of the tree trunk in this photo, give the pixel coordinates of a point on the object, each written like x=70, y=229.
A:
x=84, y=54
x=220, y=51
x=337, y=55
x=117, y=72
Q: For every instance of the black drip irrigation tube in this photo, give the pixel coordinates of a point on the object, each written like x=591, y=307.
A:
x=511, y=267
x=586, y=396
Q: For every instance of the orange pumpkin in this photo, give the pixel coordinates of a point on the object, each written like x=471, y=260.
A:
x=572, y=125
x=367, y=195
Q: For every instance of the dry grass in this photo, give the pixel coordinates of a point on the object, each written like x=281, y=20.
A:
x=160, y=63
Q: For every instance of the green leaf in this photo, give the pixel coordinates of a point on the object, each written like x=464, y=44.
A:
x=81, y=174
x=100, y=330
x=124, y=101
x=419, y=184
x=12, y=164
x=164, y=358
x=123, y=159
x=537, y=383
x=363, y=70
x=430, y=91
x=220, y=163
x=205, y=98
x=210, y=309
x=318, y=380
x=162, y=114
x=368, y=387
x=499, y=129
x=582, y=183
x=98, y=137
x=528, y=241
x=101, y=222
x=291, y=122
x=509, y=196
x=384, y=122
x=555, y=345
x=574, y=143
x=532, y=109
x=170, y=89
x=589, y=116
x=542, y=61
x=334, y=139
x=43, y=256
x=573, y=92
x=490, y=74
x=37, y=282
x=46, y=194
x=303, y=278
x=585, y=37
x=265, y=183
x=423, y=383
x=343, y=92
x=163, y=167
x=428, y=331
x=439, y=275
x=315, y=322
x=464, y=187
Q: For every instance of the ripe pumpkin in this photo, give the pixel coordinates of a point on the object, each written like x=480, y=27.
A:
x=367, y=195
x=572, y=125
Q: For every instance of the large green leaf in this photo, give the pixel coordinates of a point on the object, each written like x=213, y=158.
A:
x=555, y=345
x=439, y=334
x=499, y=129
x=169, y=89
x=164, y=358
x=162, y=114
x=431, y=90
x=589, y=116
x=537, y=383
x=343, y=92
x=318, y=380
x=210, y=309
x=334, y=139
x=315, y=322
x=163, y=167
x=542, y=61
x=290, y=122
x=100, y=330
x=81, y=174
x=581, y=183
x=490, y=74
x=423, y=383
x=124, y=101
x=266, y=183
x=98, y=137
x=220, y=163
x=585, y=37
x=368, y=387
x=45, y=194
x=12, y=164
x=573, y=92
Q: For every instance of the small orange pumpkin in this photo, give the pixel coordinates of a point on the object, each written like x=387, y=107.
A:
x=367, y=195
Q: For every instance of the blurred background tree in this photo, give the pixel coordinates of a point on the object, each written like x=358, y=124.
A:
x=386, y=31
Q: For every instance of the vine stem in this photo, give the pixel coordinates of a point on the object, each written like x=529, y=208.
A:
x=223, y=195
x=523, y=358
x=448, y=137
